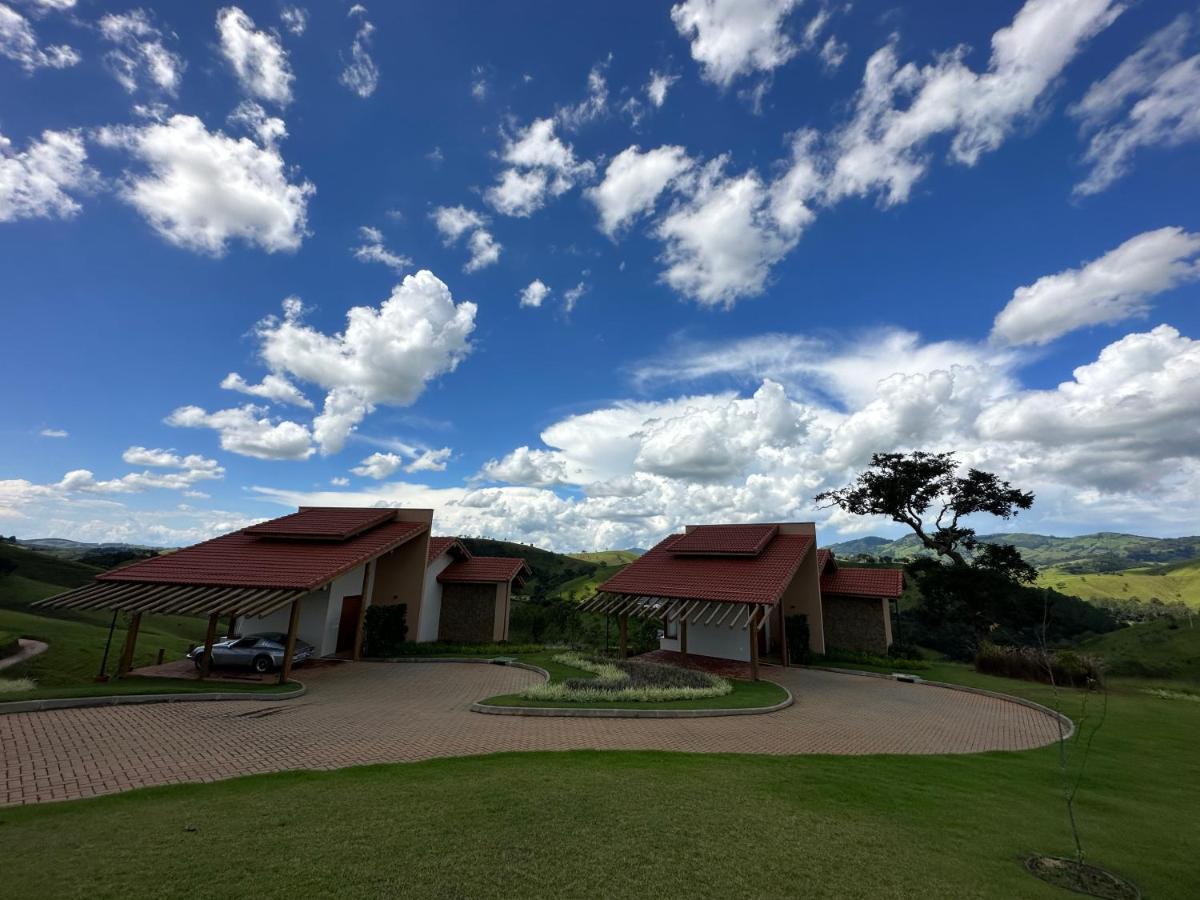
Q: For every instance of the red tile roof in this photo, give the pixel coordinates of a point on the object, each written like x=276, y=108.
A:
x=725, y=540
x=824, y=558
x=484, y=569
x=863, y=582
x=244, y=559
x=661, y=572
x=439, y=545
x=329, y=523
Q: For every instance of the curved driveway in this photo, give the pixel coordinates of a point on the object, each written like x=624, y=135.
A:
x=379, y=712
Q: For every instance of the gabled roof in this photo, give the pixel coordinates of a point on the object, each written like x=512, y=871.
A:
x=262, y=556
x=439, y=545
x=863, y=582
x=721, y=576
x=485, y=569
x=825, y=560
x=724, y=540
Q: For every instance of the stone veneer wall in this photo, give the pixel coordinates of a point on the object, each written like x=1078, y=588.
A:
x=468, y=613
x=855, y=623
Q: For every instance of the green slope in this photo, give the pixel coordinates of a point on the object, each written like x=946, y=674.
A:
x=550, y=570
x=585, y=585
x=608, y=557
x=1163, y=648
x=43, y=567
x=1170, y=584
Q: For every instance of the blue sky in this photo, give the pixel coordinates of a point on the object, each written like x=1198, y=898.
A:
x=613, y=267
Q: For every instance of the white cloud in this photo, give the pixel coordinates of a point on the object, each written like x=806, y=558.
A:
x=256, y=57
x=361, y=74
x=372, y=249
x=833, y=53
x=248, y=431
x=294, y=19
x=383, y=465
x=1113, y=287
x=339, y=481
x=37, y=182
x=54, y=433
x=273, y=387
x=204, y=188
x=658, y=85
x=430, y=461
x=385, y=355
x=572, y=296
x=140, y=56
x=540, y=468
x=1149, y=100
x=730, y=38
x=534, y=293
x=452, y=222
x=379, y=465
x=899, y=109
x=722, y=239
x=540, y=166
x=19, y=42
x=595, y=104
x=479, y=83
x=633, y=183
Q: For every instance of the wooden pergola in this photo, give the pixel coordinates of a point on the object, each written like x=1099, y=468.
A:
x=138, y=598
x=748, y=616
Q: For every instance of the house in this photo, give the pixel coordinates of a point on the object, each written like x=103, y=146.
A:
x=727, y=591
x=312, y=575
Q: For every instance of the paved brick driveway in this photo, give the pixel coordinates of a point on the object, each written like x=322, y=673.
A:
x=380, y=712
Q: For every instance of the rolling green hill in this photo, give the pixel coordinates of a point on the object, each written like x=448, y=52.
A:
x=585, y=585
x=1105, y=551
x=40, y=567
x=1163, y=648
x=1173, y=583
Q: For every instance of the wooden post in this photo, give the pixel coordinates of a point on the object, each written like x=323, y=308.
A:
x=754, y=644
x=293, y=622
x=683, y=640
x=358, y=630
x=232, y=632
x=210, y=638
x=131, y=635
x=787, y=655
x=623, y=622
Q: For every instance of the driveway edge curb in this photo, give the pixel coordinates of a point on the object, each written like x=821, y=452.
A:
x=22, y=706
x=1062, y=718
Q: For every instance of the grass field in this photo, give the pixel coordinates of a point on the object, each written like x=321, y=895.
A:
x=608, y=557
x=588, y=824
x=585, y=585
x=1174, y=583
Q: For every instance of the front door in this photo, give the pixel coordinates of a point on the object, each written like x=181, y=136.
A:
x=348, y=626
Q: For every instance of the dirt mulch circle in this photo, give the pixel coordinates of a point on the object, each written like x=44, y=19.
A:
x=1082, y=878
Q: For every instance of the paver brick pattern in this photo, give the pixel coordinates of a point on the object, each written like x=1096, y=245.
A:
x=379, y=712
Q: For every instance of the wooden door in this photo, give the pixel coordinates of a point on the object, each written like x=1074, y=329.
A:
x=348, y=624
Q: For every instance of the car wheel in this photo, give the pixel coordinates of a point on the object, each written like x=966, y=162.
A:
x=262, y=664
x=198, y=659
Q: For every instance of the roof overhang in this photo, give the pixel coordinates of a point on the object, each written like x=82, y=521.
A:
x=709, y=613
x=174, y=599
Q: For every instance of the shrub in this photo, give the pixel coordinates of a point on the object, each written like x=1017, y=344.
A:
x=629, y=681
x=836, y=655
x=385, y=629
x=1064, y=667
x=797, y=631
x=902, y=650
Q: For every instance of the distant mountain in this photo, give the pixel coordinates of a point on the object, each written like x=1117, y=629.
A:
x=105, y=555
x=1105, y=551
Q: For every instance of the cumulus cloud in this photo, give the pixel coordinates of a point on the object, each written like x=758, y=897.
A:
x=1111, y=288
x=534, y=293
x=658, y=85
x=633, y=183
x=18, y=42
x=38, y=182
x=201, y=189
x=256, y=57
x=248, y=431
x=379, y=465
x=540, y=166
x=371, y=249
x=731, y=38
x=452, y=222
x=1149, y=100
x=139, y=57
x=361, y=73
x=273, y=387
x=294, y=19
x=384, y=465
x=542, y=468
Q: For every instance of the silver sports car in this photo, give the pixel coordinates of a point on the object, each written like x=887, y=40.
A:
x=260, y=652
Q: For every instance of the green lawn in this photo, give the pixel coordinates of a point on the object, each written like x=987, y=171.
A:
x=1179, y=582
x=137, y=685
x=1153, y=649
x=588, y=824
x=608, y=557
x=745, y=694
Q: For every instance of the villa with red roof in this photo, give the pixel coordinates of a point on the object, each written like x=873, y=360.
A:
x=312, y=575
x=728, y=591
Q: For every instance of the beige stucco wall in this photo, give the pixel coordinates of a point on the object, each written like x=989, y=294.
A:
x=803, y=595
x=399, y=576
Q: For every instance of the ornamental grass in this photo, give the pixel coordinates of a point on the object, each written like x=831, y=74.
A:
x=627, y=680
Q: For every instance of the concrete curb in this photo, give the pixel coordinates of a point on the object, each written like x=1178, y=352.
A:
x=29, y=649
x=1064, y=720
x=22, y=706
